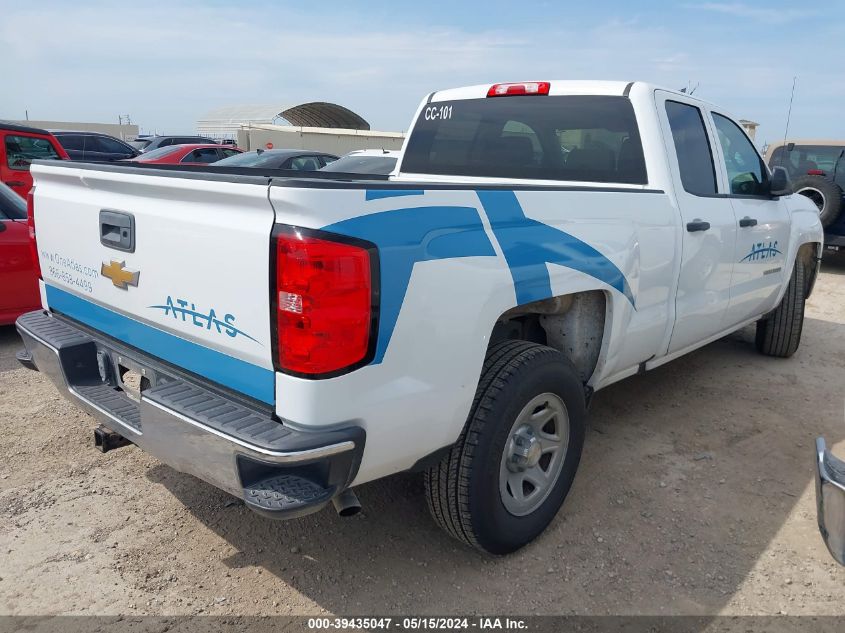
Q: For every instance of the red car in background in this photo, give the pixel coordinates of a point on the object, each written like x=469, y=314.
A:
x=195, y=154
x=19, y=146
x=18, y=276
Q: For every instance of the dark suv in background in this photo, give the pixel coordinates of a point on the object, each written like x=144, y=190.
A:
x=817, y=170
x=94, y=146
x=149, y=143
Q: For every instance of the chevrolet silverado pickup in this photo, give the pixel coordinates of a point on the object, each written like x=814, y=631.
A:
x=288, y=338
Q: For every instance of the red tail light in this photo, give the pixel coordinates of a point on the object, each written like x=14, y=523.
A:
x=524, y=88
x=30, y=221
x=324, y=303
x=815, y=172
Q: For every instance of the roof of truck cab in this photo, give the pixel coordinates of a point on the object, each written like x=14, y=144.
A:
x=559, y=87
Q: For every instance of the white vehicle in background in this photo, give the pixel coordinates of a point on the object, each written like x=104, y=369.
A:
x=286, y=339
x=365, y=161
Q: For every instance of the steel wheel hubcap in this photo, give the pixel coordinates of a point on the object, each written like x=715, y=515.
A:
x=534, y=454
x=815, y=195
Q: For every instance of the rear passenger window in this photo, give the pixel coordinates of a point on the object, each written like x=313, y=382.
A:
x=695, y=159
x=92, y=144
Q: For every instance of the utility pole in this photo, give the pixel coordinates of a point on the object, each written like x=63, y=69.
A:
x=121, y=120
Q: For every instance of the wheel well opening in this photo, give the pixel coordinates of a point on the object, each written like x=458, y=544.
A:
x=572, y=324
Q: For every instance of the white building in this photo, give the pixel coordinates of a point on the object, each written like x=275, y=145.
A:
x=319, y=126
x=225, y=122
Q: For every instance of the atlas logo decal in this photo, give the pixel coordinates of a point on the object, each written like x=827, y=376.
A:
x=120, y=276
x=762, y=251
x=406, y=236
x=186, y=312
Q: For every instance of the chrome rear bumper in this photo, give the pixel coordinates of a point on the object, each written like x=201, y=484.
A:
x=194, y=427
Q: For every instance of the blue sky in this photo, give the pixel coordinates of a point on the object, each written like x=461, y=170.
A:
x=167, y=63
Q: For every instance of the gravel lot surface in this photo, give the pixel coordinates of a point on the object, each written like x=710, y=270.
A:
x=695, y=496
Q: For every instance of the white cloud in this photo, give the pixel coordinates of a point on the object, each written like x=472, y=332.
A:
x=767, y=14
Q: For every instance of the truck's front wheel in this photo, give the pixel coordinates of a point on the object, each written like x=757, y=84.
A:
x=510, y=470
x=779, y=334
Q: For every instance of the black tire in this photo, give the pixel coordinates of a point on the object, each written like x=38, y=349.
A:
x=826, y=195
x=779, y=334
x=463, y=489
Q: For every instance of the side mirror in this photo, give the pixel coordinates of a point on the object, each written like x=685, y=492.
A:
x=780, y=184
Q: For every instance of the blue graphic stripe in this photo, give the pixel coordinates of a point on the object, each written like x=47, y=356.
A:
x=529, y=245
x=236, y=374
x=407, y=236
x=378, y=194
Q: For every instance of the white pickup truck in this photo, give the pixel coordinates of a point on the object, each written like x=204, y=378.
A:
x=288, y=338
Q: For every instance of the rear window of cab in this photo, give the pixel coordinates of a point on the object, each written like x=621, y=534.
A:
x=569, y=138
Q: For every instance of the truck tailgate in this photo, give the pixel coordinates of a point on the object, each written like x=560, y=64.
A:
x=175, y=266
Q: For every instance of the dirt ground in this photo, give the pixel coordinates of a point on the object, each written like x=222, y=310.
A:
x=695, y=496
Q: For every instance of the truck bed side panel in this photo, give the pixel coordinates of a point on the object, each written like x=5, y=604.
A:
x=452, y=261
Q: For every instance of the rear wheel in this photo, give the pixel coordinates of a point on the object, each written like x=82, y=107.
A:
x=510, y=470
x=826, y=195
x=779, y=334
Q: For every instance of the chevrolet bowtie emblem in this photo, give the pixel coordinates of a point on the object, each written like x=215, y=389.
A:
x=121, y=277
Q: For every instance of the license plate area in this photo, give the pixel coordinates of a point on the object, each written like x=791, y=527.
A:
x=132, y=377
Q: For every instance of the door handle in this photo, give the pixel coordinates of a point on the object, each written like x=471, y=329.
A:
x=746, y=221
x=697, y=225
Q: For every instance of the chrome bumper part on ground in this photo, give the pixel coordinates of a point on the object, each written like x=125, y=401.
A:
x=830, y=500
x=197, y=428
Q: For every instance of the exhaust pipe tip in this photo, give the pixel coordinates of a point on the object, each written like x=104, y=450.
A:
x=346, y=503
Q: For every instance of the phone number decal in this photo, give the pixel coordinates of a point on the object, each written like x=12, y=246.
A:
x=70, y=279
x=70, y=271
